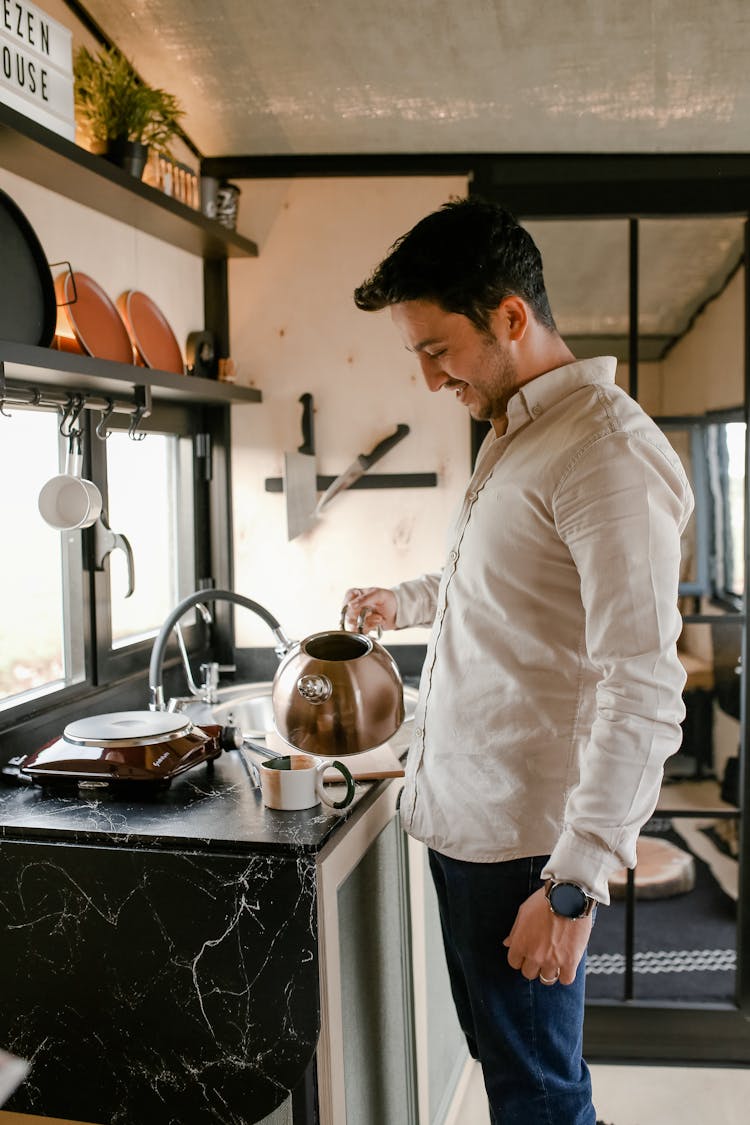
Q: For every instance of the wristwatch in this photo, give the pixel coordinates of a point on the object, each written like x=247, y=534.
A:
x=568, y=899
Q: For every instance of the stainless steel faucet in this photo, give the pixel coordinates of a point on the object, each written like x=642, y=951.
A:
x=210, y=671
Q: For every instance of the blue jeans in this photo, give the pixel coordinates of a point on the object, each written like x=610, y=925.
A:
x=526, y=1035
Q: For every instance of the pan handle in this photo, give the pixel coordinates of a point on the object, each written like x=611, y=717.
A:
x=64, y=304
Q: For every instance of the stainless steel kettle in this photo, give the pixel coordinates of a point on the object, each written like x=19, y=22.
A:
x=338, y=693
x=334, y=693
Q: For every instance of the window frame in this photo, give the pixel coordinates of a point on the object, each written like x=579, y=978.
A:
x=120, y=675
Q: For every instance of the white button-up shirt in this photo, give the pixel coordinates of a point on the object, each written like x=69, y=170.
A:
x=551, y=692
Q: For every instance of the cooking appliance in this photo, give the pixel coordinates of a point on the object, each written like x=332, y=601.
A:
x=144, y=747
x=27, y=291
x=360, y=466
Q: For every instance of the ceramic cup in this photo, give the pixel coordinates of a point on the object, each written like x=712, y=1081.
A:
x=296, y=782
x=69, y=501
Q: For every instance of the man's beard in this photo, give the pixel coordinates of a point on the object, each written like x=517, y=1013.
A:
x=499, y=383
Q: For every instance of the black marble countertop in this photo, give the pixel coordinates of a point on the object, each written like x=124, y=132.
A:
x=214, y=806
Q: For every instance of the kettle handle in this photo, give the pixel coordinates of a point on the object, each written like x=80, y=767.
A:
x=360, y=620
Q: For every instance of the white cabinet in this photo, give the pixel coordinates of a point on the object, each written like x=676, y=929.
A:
x=390, y=1046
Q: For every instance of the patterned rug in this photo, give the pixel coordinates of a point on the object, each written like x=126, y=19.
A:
x=685, y=946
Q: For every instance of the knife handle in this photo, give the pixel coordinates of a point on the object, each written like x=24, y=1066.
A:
x=308, y=437
x=367, y=460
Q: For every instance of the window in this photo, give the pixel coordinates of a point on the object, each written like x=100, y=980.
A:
x=41, y=646
x=68, y=625
x=725, y=454
x=146, y=482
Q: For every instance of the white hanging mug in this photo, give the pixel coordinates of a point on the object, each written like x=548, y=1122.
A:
x=69, y=501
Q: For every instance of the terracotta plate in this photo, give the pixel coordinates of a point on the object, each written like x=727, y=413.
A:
x=154, y=341
x=93, y=319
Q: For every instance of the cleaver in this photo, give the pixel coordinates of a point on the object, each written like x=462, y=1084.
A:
x=300, y=476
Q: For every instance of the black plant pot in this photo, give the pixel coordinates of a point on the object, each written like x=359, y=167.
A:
x=131, y=156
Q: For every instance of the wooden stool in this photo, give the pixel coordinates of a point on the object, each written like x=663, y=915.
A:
x=663, y=870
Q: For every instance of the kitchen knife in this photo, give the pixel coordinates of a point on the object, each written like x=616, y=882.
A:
x=300, y=476
x=359, y=467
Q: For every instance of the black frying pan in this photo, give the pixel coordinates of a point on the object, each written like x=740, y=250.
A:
x=27, y=292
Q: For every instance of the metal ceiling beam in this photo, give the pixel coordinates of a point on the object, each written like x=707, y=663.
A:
x=540, y=185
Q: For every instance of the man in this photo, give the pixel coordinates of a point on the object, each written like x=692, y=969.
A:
x=551, y=690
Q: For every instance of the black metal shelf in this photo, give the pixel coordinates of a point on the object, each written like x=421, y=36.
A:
x=69, y=371
x=40, y=155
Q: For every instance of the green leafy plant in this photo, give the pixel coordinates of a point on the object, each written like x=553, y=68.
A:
x=114, y=104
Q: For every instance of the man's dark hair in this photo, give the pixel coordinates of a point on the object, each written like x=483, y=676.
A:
x=466, y=257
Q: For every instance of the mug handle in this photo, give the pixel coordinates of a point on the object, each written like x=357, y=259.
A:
x=320, y=788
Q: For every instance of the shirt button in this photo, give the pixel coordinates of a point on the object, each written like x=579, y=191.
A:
x=418, y=732
x=471, y=497
x=536, y=410
x=453, y=556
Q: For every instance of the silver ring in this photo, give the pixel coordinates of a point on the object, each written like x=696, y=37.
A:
x=554, y=980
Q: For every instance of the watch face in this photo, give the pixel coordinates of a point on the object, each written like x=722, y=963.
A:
x=568, y=899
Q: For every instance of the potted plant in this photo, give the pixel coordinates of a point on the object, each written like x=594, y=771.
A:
x=121, y=114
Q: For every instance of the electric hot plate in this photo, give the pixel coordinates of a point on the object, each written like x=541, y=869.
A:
x=147, y=748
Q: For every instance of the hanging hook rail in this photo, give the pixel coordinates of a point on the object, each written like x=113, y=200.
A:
x=70, y=413
x=142, y=410
x=101, y=430
x=28, y=394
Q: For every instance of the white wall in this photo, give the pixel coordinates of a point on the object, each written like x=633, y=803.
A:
x=294, y=329
x=117, y=256
x=705, y=370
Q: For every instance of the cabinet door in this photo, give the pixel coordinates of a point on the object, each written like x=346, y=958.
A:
x=442, y=1055
x=391, y=1049
x=366, y=1066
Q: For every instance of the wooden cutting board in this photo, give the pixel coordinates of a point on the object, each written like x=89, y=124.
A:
x=370, y=766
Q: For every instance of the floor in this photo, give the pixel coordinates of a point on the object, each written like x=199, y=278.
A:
x=637, y=1095
x=624, y=1095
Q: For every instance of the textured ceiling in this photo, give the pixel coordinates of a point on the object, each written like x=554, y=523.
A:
x=348, y=76
x=278, y=77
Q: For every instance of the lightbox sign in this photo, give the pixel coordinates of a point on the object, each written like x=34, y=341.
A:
x=36, y=66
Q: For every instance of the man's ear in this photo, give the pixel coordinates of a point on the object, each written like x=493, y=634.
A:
x=510, y=319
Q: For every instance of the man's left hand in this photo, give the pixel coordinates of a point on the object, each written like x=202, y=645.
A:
x=542, y=944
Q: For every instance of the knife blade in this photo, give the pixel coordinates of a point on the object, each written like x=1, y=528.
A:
x=300, y=477
x=359, y=467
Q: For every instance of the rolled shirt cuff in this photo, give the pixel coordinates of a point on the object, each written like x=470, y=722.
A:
x=582, y=861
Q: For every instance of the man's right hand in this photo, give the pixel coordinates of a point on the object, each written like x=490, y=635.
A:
x=380, y=604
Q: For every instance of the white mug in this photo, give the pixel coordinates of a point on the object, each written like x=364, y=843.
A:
x=295, y=781
x=69, y=501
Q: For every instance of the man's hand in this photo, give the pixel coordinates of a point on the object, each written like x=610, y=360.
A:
x=380, y=603
x=542, y=944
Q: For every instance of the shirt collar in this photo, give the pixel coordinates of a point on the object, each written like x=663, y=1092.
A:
x=538, y=395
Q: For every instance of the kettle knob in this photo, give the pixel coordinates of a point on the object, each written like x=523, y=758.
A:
x=315, y=688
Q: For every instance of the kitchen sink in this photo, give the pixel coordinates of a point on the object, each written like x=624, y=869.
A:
x=248, y=706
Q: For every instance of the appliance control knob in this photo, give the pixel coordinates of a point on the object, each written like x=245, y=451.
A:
x=231, y=738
